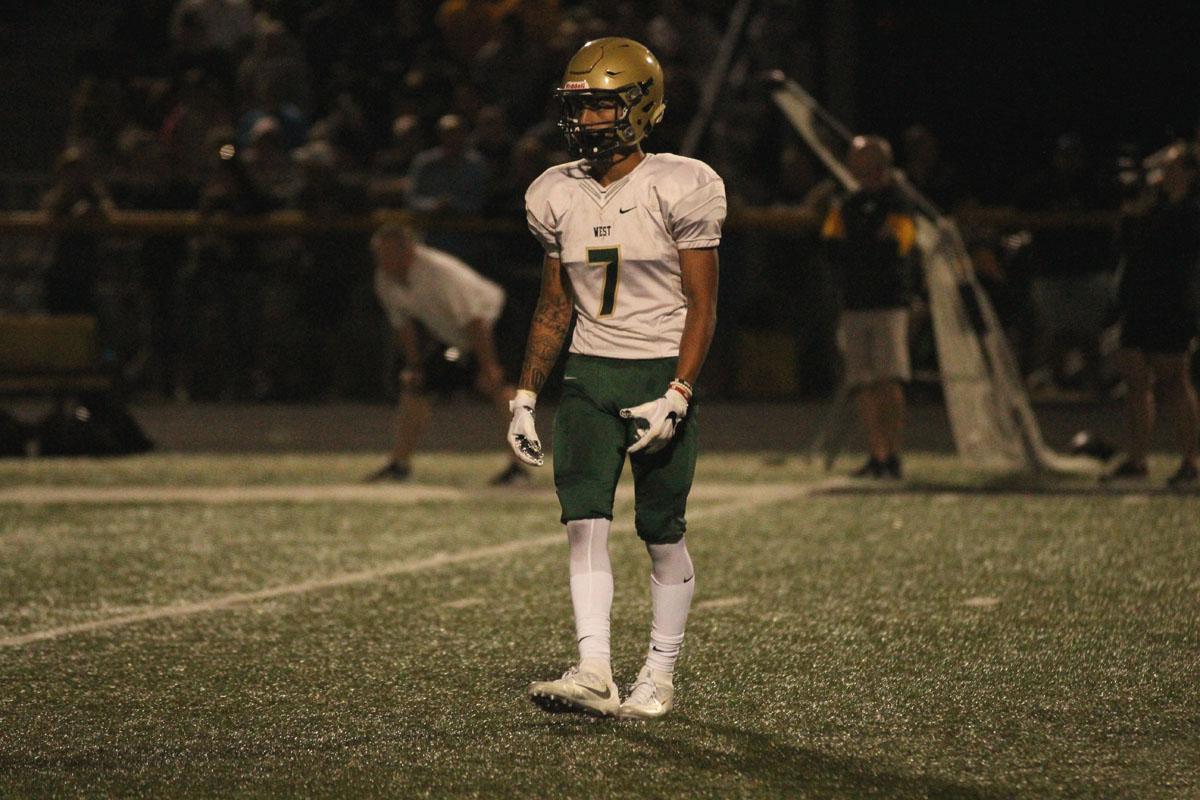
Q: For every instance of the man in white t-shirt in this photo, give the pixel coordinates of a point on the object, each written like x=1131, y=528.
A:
x=443, y=314
x=630, y=244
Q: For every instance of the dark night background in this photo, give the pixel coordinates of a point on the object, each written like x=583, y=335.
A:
x=352, y=93
x=1000, y=81
x=996, y=81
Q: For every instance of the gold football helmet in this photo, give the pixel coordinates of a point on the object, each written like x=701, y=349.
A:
x=610, y=73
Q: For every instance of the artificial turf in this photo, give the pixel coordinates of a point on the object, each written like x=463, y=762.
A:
x=962, y=635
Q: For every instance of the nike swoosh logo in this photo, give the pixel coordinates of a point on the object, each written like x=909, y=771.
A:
x=603, y=696
x=685, y=580
x=627, y=210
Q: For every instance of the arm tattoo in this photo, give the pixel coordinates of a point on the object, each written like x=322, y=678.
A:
x=546, y=333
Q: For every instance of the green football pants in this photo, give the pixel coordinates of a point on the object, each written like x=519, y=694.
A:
x=590, y=439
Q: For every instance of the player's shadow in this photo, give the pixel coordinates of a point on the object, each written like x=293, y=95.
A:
x=786, y=770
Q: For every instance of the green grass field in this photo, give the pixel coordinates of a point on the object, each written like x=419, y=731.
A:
x=262, y=626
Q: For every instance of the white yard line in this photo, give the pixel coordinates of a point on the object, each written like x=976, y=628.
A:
x=322, y=493
x=751, y=497
x=221, y=495
x=719, y=602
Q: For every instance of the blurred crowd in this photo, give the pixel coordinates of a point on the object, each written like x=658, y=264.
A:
x=338, y=106
x=429, y=105
x=335, y=107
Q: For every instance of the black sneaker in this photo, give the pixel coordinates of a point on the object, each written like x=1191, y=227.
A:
x=1186, y=477
x=891, y=468
x=513, y=475
x=872, y=469
x=393, y=473
x=1126, y=471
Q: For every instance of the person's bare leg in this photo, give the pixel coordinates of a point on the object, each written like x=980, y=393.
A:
x=1179, y=396
x=892, y=412
x=412, y=418
x=869, y=411
x=1139, y=404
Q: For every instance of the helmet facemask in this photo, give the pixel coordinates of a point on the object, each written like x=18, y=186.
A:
x=596, y=141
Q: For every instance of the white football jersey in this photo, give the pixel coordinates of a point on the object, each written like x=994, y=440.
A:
x=620, y=246
x=443, y=293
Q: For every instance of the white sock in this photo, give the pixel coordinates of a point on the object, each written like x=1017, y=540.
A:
x=672, y=584
x=591, y=588
x=669, y=606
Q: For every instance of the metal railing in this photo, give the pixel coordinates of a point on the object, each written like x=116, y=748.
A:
x=280, y=305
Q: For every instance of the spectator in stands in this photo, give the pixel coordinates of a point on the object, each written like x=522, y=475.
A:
x=269, y=164
x=150, y=182
x=274, y=73
x=527, y=160
x=1160, y=238
x=514, y=68
x=345, y=128
x=443, y=314
x=391, y=163
x=871, y=236
x=332, y=264
x=224, y=359
x=273, y=83
x=201, y=107
x=405, y=143
x=339, y=36
x=77, y=194
x=451, y=176
x=492, y=138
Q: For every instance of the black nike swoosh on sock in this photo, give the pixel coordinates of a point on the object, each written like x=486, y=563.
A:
x=685, y=580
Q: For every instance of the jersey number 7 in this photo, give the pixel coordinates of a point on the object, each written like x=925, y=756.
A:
x=608, y=258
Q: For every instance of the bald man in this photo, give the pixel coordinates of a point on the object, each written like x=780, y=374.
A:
x=870, y=236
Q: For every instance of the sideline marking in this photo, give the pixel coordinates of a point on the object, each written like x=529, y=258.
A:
x=755, y=497
x=224, y=495
x=325, y=493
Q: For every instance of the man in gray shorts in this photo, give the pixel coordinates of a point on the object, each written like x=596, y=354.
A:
x=870, y=237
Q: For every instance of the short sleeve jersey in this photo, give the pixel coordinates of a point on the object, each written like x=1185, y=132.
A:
x=442, y=293
x=620, y=247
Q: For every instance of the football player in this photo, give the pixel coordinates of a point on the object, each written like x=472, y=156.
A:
x=630, y=245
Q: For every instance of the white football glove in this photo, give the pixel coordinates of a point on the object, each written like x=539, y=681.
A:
x=655, y=422
x=522, y=433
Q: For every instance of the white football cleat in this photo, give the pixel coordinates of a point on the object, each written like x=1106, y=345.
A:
x=587, y=688
x=651, y=696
